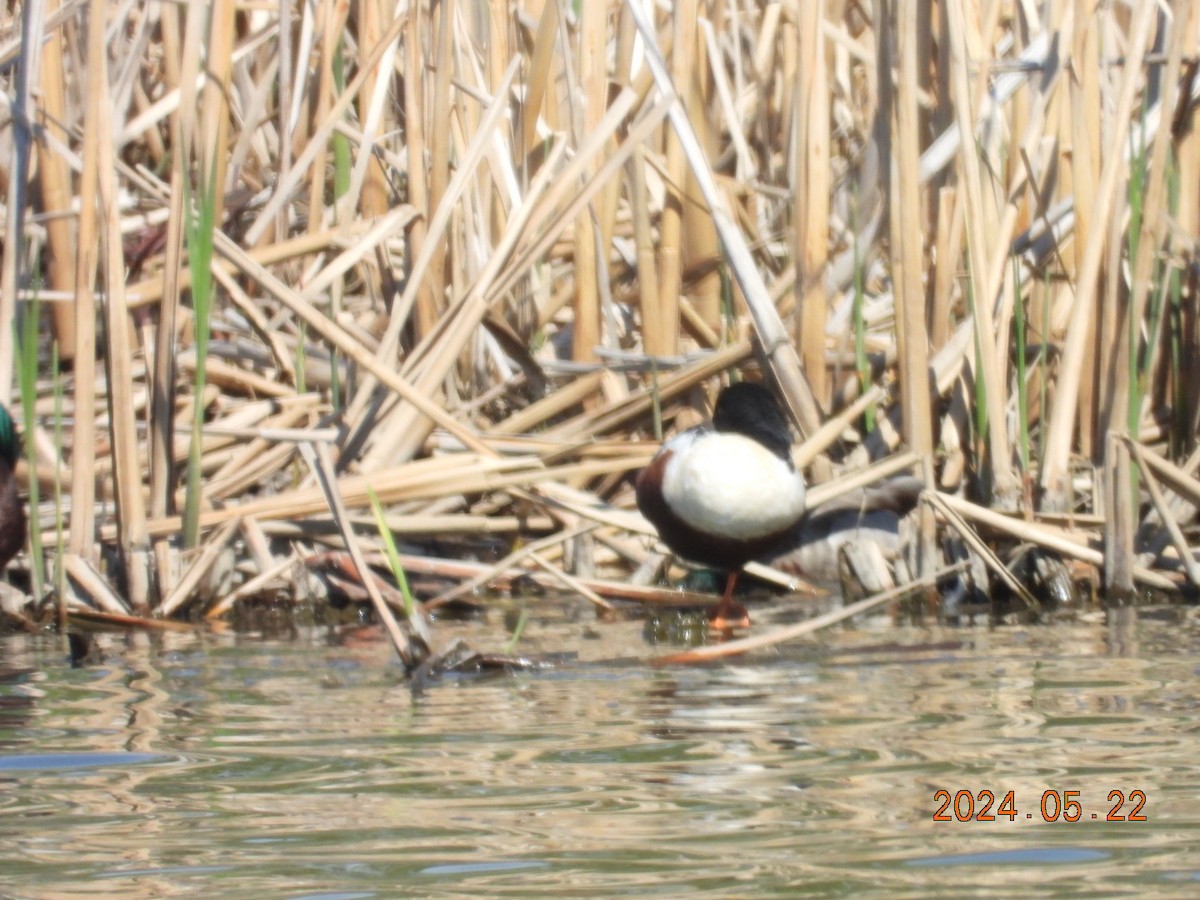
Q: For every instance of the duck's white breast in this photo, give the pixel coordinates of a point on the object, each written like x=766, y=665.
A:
x=728, y=484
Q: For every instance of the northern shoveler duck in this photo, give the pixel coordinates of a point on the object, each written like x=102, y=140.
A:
x=12, y=514
x=724, y=493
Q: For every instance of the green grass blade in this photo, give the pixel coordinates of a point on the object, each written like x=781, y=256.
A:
x=393, y=556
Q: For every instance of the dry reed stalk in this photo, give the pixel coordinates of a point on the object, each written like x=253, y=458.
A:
x=409, y=432
x=820, y=494
x=654, y=335
x=317, y=456
x=1155, y=221
x=1186, y=557
x=553, y=404
x=163, y=396
x=338, y=338
x=83, y=486
x=697, y=327
x=781, y=355
x=398, y=484
x=507, y=563
x=255, y=460
x=991, y=372
x=907, y=253
x=512, y=250
x=329, y=21
x=1081, y=171
x=557, y=211
x=133, y=539
x=1062, y=416
x=439, y=111
x=951, y=222
x=406, y=431
x=1119, y=522
x=251, y=587
x=700, y=253
x=586, y=335
x=81, y=571
x=20, y=151
x=1035, y=153
x=1044, y=535
x=54, y=186
x=571, y=583
x=339, y=238
x=368, y=188
x=223, y=375
x=810, y=162
x=832, y=429
x=972, y=540
x=258, y=321
x=420, y=270
x=670, y=226
x=612, y=590
x=419, y=525
x=211, y=154
x=183, y=591
x=386, y=226
x=288, y=180
x=1187, y=139
x=1178, y=479
x=607, y=418
x=418, y=191
x=84, y=618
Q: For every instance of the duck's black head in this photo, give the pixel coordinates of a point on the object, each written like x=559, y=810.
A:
x=10, y=443
x=752, y=410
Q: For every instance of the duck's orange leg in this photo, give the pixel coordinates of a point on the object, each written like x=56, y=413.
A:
x=729, y=615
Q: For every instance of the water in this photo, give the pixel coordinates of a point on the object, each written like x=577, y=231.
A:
x=245, y=767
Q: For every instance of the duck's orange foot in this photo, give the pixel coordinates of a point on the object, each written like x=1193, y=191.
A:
x=727, y=617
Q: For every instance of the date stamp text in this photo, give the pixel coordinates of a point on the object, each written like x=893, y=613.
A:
x=1054, y=806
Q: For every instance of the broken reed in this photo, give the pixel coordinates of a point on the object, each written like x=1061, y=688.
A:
x=399, y=212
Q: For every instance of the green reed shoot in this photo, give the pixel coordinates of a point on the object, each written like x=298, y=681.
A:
x=981, y=417
x=861, y=362
x=518, y=630
x=26, y=335
x=301, y=356
x=392, y=555
x=60, y=543
x=655, y=402
x=1044, y=365
x=343, y=165
x=728, y=313
x=1177, y=434
x=1022, y=383
x=343, y=161
x=201, y=222
x=1138, y=173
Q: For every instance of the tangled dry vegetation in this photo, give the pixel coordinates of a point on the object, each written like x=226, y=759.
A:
x=269, y=260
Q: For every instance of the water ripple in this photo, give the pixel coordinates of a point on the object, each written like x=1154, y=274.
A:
x=233, y=767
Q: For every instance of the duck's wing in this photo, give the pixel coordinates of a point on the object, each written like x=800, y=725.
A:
x=811, y=550
x=899, y=495
x=868, y=514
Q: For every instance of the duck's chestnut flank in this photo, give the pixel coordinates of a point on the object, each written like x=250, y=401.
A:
x=12, y=514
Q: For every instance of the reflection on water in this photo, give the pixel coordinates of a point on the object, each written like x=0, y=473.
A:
x=223, y=766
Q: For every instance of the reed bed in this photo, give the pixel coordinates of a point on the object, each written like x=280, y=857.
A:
x=473, y=260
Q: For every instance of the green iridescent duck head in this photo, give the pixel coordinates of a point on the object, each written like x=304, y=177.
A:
x=10, y=441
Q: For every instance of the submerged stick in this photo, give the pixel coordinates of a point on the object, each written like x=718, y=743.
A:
x=791, y=632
